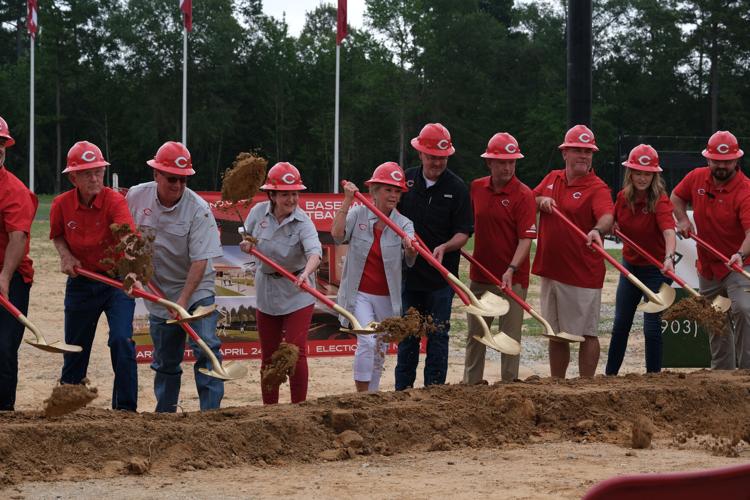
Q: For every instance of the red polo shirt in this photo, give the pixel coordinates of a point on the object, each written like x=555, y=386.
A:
x=561, y=254
x=86, y=229
x=501, y=219
x=643, y=227
x=721, y=214
x=17, y=210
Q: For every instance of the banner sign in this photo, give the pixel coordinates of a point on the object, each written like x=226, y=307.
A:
x=235, y=287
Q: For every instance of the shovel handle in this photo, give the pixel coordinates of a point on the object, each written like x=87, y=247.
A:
x=494, y=279
x=8, y=305
x=653, y=260
x=138, y=292
x=417, y=243
x=312, y=291
x=717, y=253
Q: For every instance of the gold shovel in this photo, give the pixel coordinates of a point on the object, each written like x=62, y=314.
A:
x=39, y=341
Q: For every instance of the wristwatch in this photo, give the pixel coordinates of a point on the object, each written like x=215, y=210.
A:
x=512, y=267
x=671, y=257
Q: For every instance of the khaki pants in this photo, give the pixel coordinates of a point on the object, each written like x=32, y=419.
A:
x=731, y=349
x=510, y=324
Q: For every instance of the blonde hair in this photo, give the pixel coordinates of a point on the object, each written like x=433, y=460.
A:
x=655, y=190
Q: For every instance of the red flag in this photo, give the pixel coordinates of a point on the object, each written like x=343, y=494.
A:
x=341, y=23
x=31, y=19
x=186, y=6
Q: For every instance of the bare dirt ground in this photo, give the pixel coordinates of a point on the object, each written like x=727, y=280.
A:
x=535, y=439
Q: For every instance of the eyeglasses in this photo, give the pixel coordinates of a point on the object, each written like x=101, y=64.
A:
x=172, y=179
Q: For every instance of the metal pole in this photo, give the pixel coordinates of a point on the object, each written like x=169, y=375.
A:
x=336, y=125
x=184, y=85
x=31, y=119
x=579, y=62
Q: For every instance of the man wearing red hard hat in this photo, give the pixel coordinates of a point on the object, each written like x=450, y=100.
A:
x=572, y=276
x=504, y=226
x=720, y=197
x=186, y=239
x=438, y=204
x=80, y=222
x=17, y=210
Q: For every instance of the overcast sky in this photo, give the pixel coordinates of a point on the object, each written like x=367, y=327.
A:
x=296, y=10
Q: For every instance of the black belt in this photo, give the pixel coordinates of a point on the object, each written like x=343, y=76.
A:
x=278, y=275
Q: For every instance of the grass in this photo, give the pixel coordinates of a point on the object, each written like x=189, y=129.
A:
x=45, y=202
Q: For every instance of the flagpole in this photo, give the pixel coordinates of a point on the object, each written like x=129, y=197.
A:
x=184, y=85
x=336, y=124
x=31, y=119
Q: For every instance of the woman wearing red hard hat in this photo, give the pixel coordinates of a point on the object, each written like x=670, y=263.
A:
x=371, y=282
x=285, y=234
x=17, y=210
x=643, y=213
x=79, y=227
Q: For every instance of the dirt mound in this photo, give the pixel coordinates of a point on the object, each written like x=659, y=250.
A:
x=700, y=310
x=283, y=362
x=67, y=398
x=101, y=443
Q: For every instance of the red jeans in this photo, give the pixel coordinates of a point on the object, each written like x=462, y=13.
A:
x=293, y=329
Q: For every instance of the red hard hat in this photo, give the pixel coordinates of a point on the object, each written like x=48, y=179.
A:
x=283, y=177
x=723, y=145
x=388, y=173
x=84, y=156
x=5, y=133
x=503, y=146
x=579, y=136
x=643, y=157
x=173, y=158
x=434, y=139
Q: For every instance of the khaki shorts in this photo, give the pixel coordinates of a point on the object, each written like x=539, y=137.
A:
x=569, y=308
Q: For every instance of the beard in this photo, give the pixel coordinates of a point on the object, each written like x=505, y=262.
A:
x=721, y=174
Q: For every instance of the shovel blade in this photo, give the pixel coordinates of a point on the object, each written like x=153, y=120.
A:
x=199, y=313
x=721, y=303
x=58, y=347
x=226, y=371
x=501, y=343
x=567, y=338
x=666, y=295
x=489, y=305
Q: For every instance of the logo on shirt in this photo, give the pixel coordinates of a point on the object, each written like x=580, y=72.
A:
x=410, y=183
x=505, y=202
x=576, y=195
x=532, y=229
x=147, y=211
x=722, y=148
x=550, y=186
x=363, y=227
x=72, y=224
x=263, y=223
x=645, y=210
x=447, y=196
x=181, y=161
x=701, y=191
x=288, y=178
x=88, y=156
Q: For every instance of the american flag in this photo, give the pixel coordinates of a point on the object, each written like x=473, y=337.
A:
x=186, y=6
x=31, y=19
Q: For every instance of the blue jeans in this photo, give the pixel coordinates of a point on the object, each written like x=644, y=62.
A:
x=85, y=301
x=11, y=333
x=436, y=303
x=169, y=349
x=626, y=301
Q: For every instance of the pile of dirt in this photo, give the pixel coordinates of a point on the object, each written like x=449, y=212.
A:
x=131, y=258
x=283, y=362
x=67, y=398
x=412, y=324
x=700, y=310
x=87, y=443
x=241, y=182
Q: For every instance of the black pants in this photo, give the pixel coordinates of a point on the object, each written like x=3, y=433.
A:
x=11, y=333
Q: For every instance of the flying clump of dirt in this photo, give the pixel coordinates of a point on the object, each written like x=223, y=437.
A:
x=67, y=398
x=700, y=310
x=283, y=363
x=131, y=258
x=412, y=324
x=242, y=181
x=642, y=433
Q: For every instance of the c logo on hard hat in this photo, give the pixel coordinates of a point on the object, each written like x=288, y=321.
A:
x=397, y=176
x=288, y=178
x=576, y=195
x=181, y=161
x=585, y=137
x=511, y=148
x=88, y=156
x=722, y=148
x=644, y=160
x=443, y=144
